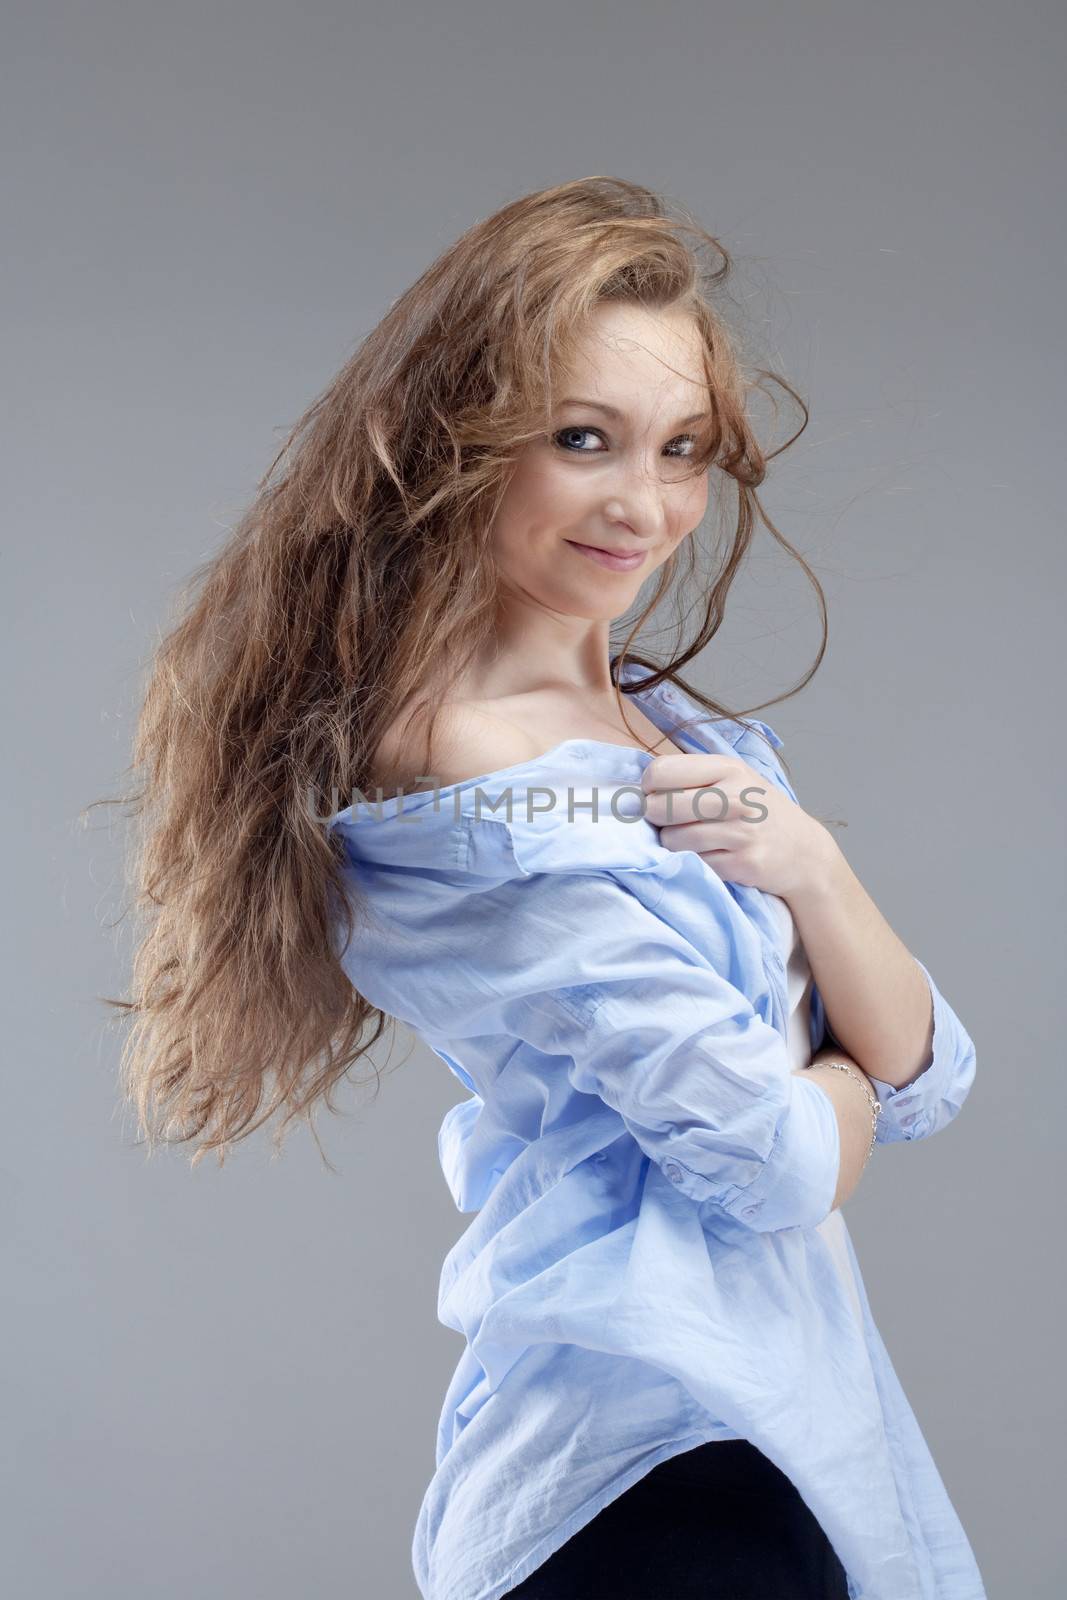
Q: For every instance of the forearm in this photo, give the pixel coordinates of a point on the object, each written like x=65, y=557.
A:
x=878, y=1003
x=853, y=1117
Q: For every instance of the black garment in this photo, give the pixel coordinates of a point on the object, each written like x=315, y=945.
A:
x=720, y=1522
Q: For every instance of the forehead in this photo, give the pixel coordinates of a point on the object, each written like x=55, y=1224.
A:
x=626, y=349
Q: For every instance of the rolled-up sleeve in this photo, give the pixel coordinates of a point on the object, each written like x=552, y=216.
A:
x=703, y=1084
x=578, y=967
x=933, y=1098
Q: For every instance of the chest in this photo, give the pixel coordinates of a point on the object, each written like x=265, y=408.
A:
x=588, y=721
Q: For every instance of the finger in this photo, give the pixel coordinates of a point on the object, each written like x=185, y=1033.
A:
x=716, y=803
x=667, y=807
x=687, y=771
x=706, y=838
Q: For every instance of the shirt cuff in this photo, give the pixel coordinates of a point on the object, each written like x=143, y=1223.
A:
x=933, y=1098
x=795, y=1186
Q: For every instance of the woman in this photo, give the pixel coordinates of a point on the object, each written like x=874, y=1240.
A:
x=681, y=1021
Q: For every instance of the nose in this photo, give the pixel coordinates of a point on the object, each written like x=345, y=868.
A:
x=640, y=509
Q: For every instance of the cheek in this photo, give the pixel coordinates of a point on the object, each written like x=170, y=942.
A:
x=553, y=480
x=541, y=503
x=688, y=509
x=696, y=501
x=549, y=493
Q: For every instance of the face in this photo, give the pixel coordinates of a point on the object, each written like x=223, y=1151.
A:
x=613, y=475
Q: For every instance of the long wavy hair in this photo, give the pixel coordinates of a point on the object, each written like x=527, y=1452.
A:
x=359, y=578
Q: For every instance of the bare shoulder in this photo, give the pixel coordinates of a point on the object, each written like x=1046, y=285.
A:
x=467, y=740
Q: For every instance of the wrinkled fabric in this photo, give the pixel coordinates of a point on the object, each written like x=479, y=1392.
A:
x=653, y=1262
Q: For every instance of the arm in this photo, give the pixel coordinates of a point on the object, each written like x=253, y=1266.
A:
x=882, y=1005
x=878, y=1003
x=576, y=965
x=853, y=1117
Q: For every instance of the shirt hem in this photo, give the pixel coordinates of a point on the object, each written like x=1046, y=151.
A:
x=590, y=1508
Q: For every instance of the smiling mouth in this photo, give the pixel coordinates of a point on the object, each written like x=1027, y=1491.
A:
x=621, y=560
x=608, y=550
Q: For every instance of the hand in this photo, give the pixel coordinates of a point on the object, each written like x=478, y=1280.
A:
x=747, y=829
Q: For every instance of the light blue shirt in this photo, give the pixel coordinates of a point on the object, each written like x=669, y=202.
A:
x=650, y=1265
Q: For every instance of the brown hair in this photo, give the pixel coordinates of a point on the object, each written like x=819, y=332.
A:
x=360, y=567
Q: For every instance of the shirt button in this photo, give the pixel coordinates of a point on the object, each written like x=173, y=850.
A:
x=673, y=1171
x=751, y=1211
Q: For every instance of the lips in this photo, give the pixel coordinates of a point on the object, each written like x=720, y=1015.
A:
x=614, y=560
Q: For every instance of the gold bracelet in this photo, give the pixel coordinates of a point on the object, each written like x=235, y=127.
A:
x=872, y=1099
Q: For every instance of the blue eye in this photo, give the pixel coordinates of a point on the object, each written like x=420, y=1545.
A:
x=577, y=450
x=563, y=433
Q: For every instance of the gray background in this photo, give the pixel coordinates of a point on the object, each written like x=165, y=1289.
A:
x=227, y=1383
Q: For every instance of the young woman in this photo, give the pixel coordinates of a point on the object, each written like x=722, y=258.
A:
x=682, y=1023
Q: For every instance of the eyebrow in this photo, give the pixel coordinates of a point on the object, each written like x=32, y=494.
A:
x=613, y=411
